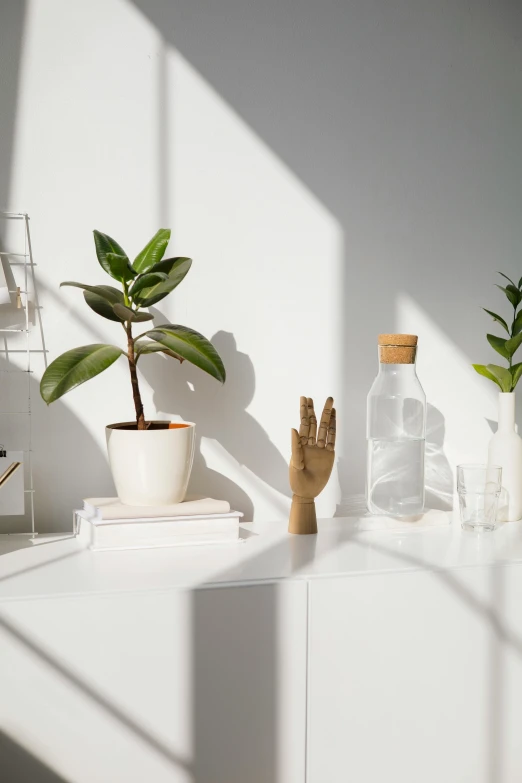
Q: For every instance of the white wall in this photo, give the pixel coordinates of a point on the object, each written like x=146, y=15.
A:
x=334, y=169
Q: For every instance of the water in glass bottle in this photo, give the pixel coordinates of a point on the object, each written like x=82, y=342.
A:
x=396, y=431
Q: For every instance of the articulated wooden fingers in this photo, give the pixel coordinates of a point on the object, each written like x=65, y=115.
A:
x=304, y=429
x=331, y=431
x=313, y=422
x=297, y=452
x=325, y=422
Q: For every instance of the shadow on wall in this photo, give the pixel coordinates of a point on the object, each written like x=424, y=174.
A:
x=65, y=457
x=370, y=105
x=221, y=415
x=19, y=766
x=12, y=18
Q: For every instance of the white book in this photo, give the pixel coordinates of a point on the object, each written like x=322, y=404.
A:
x=113, y=508
x=146, y=533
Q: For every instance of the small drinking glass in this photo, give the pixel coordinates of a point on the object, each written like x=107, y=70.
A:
x=479, y=487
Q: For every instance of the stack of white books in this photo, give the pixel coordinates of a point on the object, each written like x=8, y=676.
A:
x=106, y=523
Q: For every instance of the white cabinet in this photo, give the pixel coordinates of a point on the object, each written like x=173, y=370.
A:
x=200, y=686
x=416, y=677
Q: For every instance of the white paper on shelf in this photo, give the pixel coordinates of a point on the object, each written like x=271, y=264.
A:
x=112, y=508
x=12, y=498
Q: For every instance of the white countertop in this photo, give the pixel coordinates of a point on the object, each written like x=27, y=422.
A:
x=59, y=565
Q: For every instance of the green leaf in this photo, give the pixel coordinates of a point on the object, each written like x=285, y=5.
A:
x=517, y=325
x=126, y=314
x=499, y=345
x=482, y=370
x=520, y=283
x=107, y=292
x=516, y=372
x=176, y=269
x=502, y=376
x=512, y=293
x=75, y=367
x=507, y=278
x=497, y=318
x=153, y=251
x=192, y=346
x=147, y=281
x=119, y=267
x=150, y=346
x=106, y=244
x=100, y=306
x=513, y=345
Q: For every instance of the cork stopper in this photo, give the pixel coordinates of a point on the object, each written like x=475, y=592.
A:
x=397, y=348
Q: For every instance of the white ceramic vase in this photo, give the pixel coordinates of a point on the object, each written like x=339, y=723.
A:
x=151, y=467
x=505, y=449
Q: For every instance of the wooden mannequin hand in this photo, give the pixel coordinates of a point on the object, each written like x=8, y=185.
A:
x=313, y=456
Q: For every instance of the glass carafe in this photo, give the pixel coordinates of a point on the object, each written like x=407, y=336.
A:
x=396, y=431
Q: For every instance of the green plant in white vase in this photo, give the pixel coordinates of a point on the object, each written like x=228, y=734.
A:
x=150, y=460
x=505, y=447
x=506, y=377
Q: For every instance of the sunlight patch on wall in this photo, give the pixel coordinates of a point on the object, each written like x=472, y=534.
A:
x=267, y=274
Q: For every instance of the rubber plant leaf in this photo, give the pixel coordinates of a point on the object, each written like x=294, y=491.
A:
x=153, y=251
x=107, y=292
x=497, y=318
x=75, y=367
x=502, y=375
x=119, y=267
x=150, y=346
x=127, y=314
x=100, y=306
x=106, y=244
x=146, y=281
x=483, y=370
x=190, y=345
x=498, y=344
x=176, y=269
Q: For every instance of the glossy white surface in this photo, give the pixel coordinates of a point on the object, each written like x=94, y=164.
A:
x=151, y=467
x=416, y=677
x=61, y=566
x=176, y=687
x=233, y=663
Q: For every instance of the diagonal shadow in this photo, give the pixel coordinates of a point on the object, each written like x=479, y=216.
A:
x=20, y=766
x=92, y=694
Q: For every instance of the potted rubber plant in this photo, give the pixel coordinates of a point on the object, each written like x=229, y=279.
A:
x=505, y=447
x=150, y=461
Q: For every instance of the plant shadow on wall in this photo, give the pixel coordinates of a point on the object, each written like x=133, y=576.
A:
x=221, y=414
x=57, y=433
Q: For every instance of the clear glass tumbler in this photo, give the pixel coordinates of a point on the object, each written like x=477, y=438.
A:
x=479, y=487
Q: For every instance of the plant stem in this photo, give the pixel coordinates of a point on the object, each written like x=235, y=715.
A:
x=140, y=418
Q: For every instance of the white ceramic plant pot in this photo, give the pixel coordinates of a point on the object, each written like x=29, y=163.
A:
x=151, y=467
x=505, y=449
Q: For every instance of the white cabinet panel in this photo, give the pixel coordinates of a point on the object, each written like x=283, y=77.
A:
x=417, y=677
x=206, y=686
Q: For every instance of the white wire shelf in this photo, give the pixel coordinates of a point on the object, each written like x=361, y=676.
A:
x=28, y=300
